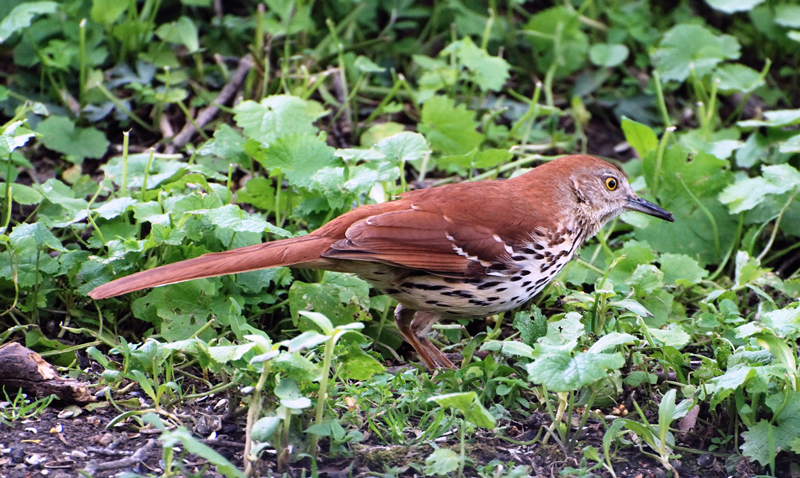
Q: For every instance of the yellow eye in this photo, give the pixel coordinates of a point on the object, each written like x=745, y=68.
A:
x=611, y=184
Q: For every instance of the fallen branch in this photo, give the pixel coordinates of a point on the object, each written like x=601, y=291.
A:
x=208, y=113
x=139, y=456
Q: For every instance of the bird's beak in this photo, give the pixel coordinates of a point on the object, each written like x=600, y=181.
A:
x=638, y=204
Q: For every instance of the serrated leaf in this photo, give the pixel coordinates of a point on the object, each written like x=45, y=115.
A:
x=488, y=72
x=299, y=157
x=441, y=462
x=21, y=16
x=60, y=134
x=277, y=116
x=689, y=46
x=564, y=373
x=450, y=129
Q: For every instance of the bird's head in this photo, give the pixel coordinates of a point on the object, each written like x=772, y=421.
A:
x=602, y=191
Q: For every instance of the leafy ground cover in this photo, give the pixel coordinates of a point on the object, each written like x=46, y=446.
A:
x=141, y=133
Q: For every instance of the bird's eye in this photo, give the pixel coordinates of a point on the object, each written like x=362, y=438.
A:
x=611, y=184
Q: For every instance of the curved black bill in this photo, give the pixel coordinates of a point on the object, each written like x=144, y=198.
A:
x=639, y=204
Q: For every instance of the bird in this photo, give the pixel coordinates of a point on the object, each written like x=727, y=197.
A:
x=461, y=250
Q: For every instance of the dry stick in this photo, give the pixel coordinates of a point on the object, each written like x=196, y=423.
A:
x=208, y=113
x=139, y=456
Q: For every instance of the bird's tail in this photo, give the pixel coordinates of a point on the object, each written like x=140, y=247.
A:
x=286, y=252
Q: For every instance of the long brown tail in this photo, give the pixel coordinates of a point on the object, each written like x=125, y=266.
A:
x=285, y=252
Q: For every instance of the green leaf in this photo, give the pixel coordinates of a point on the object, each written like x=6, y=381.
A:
x=367, y=66
x=488, y=72
x=640, y=136
x=775, y=119
x=747, y=193
x=20, y=17
x=342, y=298
x=469, y=405
x=451, y=130
x=441, y=462
x=264, y=428
x=557, y=37
x=563, y=373
x=182, y=32
x=355, y=364
x=21, y=194
x=689, y=46
x=34, y=235
x=735, y=77
x=787, y=15
x=14, y=136
x=608, y=55
x=289, y=395
x=60, y=134
x=192, y=445
x=299, y=156
x=277, y=116
x=115, y=207
x=162, y=168
x=680, y=269
x=732, y=6
x=405, y=146
x=609, y=341
x=675, y=336
x=531, y=325
x=107, y=11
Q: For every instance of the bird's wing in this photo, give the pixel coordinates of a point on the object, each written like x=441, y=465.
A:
x=426, y=239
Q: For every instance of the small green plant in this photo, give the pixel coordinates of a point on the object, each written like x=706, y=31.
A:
x=21, y=407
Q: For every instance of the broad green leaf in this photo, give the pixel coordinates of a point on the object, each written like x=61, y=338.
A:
x=531, y=325
x=264, y=428
x=689, y=46
x=368, y=66
x=289, y=395
x=277, y=116
x=609, y=341
x=608, y=55
x=787, y=15
x=675, y=336
x=564, y=373
x=640, y=136
x=115, y=207
x=632, y=306
x=735, y=77
x=14, y=136
x=224, y=354
x=322, y=322
x=488, y=72
x=22, y=15
x=60, y=134
x=747, y=193
x=564, y=331
x=441, y=462
x=182, y=32
x=342, y=298
x=21, y=194
x=511, y=348
x=680, y=269
x=732, y=6
x=469, y=405
x=355, y=364
x=299, y=157
x=405, y=146
x=557, y=37
x=791, y=145
x=162, y=168
x=107, y=11
x=34, y=235
x=450, y=129
x=774, y=118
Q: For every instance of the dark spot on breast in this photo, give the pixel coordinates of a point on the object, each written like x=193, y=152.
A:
x=528, y=250
x=518, y=258
x=515, y=298
x=392, y=291
x=453, y=280
x=476, y=280
x=488, y=285
x=541, y=281
x=431, y=302
x=497, y=267
x=526, y=283
x=525, y=272
x=458, y=293
x=516, y=278
x=446, y=306
x=501, y=289
x=425, y=286
x=538, y=257
x=538, y=246
x=492, y=298
x=529, y=289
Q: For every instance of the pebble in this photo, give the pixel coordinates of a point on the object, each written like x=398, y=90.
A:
x=706, y=460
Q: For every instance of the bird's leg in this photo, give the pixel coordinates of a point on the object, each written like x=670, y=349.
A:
x=415, y=327
x=421, y=327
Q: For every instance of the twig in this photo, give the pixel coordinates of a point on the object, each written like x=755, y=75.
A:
x=208, y=113
x=140, y=455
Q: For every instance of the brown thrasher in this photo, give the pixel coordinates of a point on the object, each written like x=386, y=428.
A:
x=462, y=250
